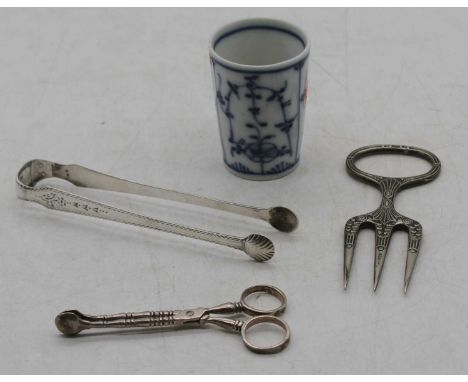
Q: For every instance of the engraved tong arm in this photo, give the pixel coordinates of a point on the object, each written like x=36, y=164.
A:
x=256, y=246
x=72, y=322
x=279, y=217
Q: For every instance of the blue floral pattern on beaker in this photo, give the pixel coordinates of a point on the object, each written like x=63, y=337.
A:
x=266, y=144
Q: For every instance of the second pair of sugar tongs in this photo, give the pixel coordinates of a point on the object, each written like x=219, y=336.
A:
x=256, y=246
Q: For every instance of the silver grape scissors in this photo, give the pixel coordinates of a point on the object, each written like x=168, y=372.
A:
x=72, y=322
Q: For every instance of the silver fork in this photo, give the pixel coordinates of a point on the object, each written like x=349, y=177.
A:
x=385, y=218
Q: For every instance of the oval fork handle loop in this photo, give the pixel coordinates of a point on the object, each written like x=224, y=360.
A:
x=393, y=149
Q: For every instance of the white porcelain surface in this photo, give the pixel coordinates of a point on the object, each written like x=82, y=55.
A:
x=260, y=80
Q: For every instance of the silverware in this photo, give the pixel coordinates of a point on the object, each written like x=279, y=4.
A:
x=385, y=218
x=72, y=322
x=258, y=247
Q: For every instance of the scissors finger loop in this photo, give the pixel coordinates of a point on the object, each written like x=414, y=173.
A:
x=268, y=289
x=271, y=320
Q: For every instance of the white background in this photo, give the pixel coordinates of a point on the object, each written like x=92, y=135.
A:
x=128, y=92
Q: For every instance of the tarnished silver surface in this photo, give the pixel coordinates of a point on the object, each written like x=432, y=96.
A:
x=72, y=322
x=385, y=218
x=258, y=247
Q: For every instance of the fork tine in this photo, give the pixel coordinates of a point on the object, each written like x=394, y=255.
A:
x=349, y=253
x=351, y=230
x=381, y=247
x=414, y=242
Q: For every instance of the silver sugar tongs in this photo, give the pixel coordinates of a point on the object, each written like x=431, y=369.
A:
x=258, y=247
